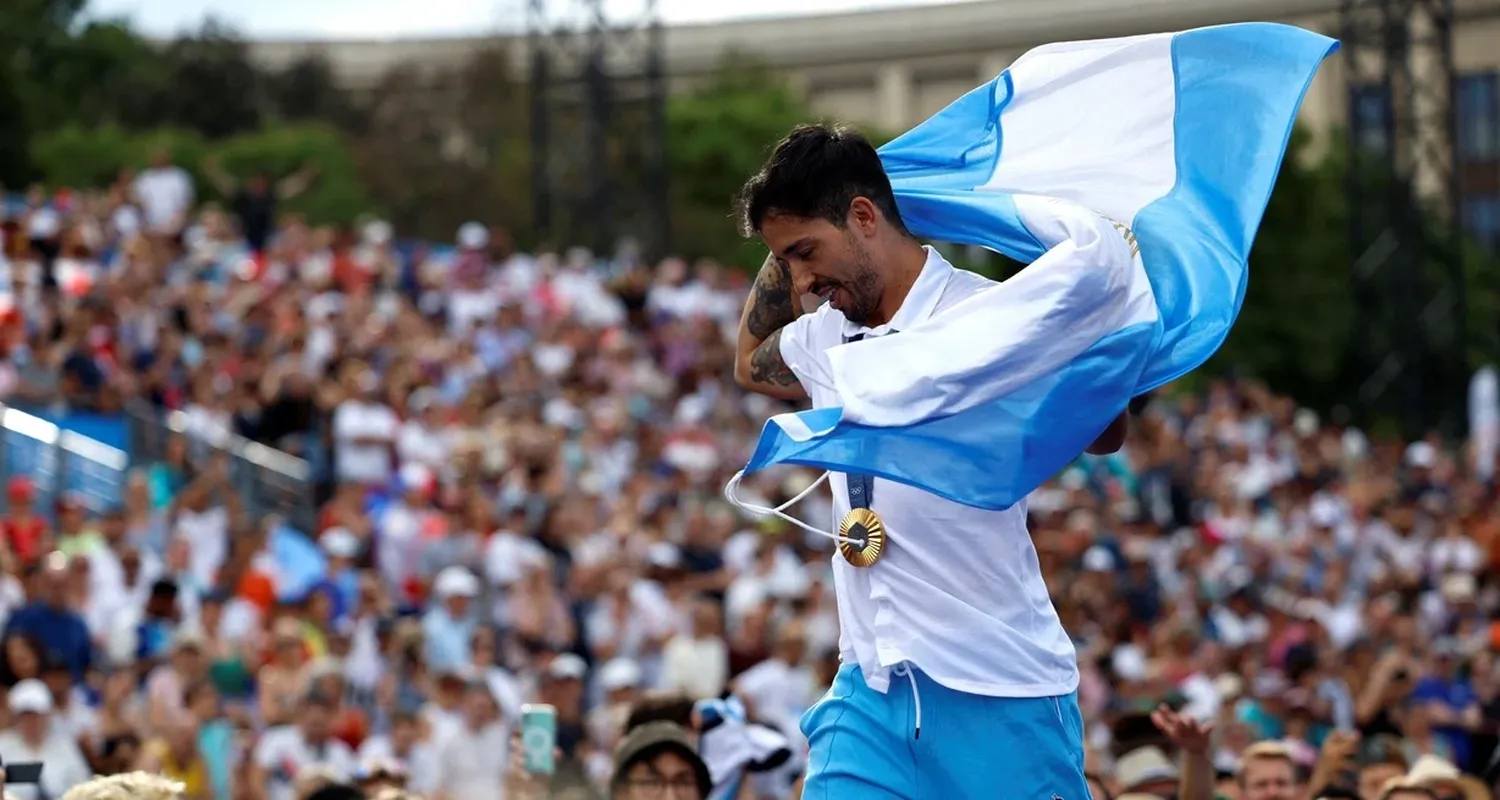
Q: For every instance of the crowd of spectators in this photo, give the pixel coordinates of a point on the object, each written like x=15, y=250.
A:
x=518, y=461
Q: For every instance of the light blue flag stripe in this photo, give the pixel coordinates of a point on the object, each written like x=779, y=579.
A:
x=1237, y=88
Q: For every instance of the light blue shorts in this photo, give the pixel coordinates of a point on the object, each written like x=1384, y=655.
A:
x=865, y=745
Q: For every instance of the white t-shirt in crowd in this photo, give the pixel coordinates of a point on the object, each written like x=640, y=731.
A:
x=43, y=223
x=354, y=420
x=779, y=693
x=283, y=753
x=165, y=194
x=207, y=534
x=422, y=769
x=472, y=763
x=66, y=766
x=417, y=444
x=696, y=667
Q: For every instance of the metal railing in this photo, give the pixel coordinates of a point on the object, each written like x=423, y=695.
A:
x=60, y=461
x=268, y=481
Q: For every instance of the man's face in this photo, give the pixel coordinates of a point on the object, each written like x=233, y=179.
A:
x=1374, y=776
x=830, y=262
x=1270, y=779
x=31, y=724
x=667, y=775
x=403, y=735
x=317, y=722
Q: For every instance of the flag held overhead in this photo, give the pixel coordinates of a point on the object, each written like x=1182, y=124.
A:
x=1131, y=175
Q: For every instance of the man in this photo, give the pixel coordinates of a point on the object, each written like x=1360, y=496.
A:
x=472, y=762
x=1448, y=696
x=449, y=626
x=955, y=622
x=364, y=429
x=737, y=752
x=657, y=760
x=51, y=621
x=165, y=194
x=1383, y=763
x=1267, y=772
x=33, y=736
x=254, y=201
x=285, y=753
x=402, y=746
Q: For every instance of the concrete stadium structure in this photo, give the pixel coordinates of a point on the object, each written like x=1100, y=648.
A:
x=895, y=67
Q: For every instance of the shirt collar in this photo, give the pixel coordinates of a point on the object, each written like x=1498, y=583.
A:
x=920, y=302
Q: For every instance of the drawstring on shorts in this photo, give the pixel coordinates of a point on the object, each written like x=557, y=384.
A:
x=916, y=697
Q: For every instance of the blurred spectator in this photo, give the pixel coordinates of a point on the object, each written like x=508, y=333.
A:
x=34, y=735
x=657, y=758
x=514, y=471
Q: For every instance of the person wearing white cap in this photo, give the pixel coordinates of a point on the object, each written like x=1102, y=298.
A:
x=400, y=528
x=619, y=680
x=473, y=236
x=32, y=737
x=448, y=628
x=471, y=300
x=342, y=547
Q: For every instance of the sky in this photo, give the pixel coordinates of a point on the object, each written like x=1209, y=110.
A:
x=359, y=19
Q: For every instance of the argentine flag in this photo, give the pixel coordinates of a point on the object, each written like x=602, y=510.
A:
x=1130, y=175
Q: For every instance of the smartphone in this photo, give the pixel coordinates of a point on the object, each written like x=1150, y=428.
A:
x=28, y=773
x=538, y=738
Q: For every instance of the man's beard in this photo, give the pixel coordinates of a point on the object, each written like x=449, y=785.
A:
x=864, y=287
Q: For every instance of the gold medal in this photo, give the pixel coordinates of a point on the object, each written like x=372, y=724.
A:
x=868, y=532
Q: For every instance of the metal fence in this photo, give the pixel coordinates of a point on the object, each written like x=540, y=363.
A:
x=58, y=461
x=268, y=481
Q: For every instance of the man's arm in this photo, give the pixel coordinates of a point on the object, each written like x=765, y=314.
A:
x=1113, y=437
x=758, y=365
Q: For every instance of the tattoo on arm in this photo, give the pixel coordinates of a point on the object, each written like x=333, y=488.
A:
x=771, y=306
x=767, y=367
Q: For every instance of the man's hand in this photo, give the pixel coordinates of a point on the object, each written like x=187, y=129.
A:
x=1113, y=437
x=1339, y=747
x=1190, y=735
x=758, y=365
x=1335, y=758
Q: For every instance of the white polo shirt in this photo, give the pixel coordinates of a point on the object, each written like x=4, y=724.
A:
x=959, y=593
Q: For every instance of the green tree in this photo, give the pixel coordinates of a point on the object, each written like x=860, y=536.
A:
x=105, y=75
x=212, y=85
x=1294, y=328
x=308, y=90
x=335, y=196
x=16, y=168
x=85, y=157
x=720, y=132
x=447, y=147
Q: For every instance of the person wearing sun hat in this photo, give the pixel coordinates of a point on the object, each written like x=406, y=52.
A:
x=1444, y=780
x=655, y=756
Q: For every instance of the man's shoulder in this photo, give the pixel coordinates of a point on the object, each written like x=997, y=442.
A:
x=963, y=285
